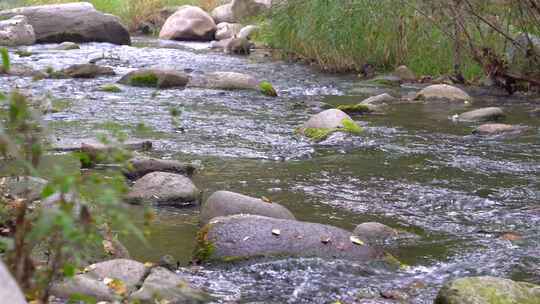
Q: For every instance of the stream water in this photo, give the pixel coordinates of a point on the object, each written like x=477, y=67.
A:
x=413, y=169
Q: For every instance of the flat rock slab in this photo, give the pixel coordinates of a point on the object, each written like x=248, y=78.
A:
x=497, y=128
x=443, y=92
x=168, y=287
x=139, y=167
x=223, y=203
x=248, y=236
x=162, y=188
x=488, y=290
x=483, y=114
x=76, y=22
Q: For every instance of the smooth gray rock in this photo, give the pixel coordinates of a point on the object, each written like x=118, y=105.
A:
x=248, y=236
x=87, y=70
x=67, y=46
x=156, y=78
x=497, y=128
x=223, y=203
x=162, y=188
x=223, y=13
x=227, y=30
x=168, y=287
x=328, y=119
x=16, y=31
x=9, y=290
x=27, y=187
x=483, y=114
x=94, y=281
x=443, y=92
x=379, y=100
x=139, y=167
x=242, y=9
x=488, y=290
x=189, y=23
x=224, y=81
x=374, y=233
x=77, y=22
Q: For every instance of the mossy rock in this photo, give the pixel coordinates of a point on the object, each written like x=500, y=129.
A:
x=267, y=89
x=320, y=134
x=110, y=88
x=155, y=78
x=354, y=108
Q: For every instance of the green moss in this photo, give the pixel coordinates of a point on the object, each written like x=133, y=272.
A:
x=267, y=89
x=111, y=88
x=144, y=80
x=54, y=74
x=351, y=126
x=23, y=53
x=205, y=248
x=393, y=261
x=354, y=109
x=318, y=134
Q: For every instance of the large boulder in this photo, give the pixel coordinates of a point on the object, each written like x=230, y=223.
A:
x=247, y=236
x=168, y=287
x=242, y=9
x=487, y=290
x=223, y=203
x=9, y=290
x=76, y=22
x=225, y=81
x=162, y=188
x=443, y=92
x=223, y=13
x=227, y=30
x=139, y=167
x=16, y=31
x=189, y=23
x=104, y=281
x=87, y=70
x=483, y=114
x=328, y=119
x=155, y=78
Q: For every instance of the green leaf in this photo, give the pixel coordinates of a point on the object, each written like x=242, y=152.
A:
x=6, y=63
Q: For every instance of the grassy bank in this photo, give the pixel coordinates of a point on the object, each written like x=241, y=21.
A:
x=345, y=35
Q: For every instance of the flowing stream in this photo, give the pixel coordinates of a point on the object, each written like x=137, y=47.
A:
x=413, y=169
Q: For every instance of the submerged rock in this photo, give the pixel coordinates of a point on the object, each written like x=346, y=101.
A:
x=247, y=236
x=139, y=167
x=155, y=78
x=321, y=125
x=9, y=290
x=168, y=287
x=162, y=188
x=223, y=203
x=77, y=22
x=374, y=233
x=66, y=46
x=487, y=290
x=16, y=31
x=484, y=114
x=497, y=128
x=443, y=92
x=87, y=70
x=227, y=30
x=379, y=100
x=189, y=23
x=104, y=281
x=225, y=81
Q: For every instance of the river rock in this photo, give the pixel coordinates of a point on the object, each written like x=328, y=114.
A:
x=87, y=70
x=223, y=203
x=189, y=23
x=405, y=73
x=223, y=13
x=227, y=30
x=162, y=188
x=242, y=9
x=247, y=31
x=77, y=22
x=247, y=236
x=9, y=290
x=379, y=100
x=374, y=233
x=168, y=287
x=443, y=92
x=16, y=31
x=27, y=187
x=328, y=119
x=487, y=290
x=94, y=152
x=94, y=282
x=156, y=78
x=139, y=167
x=67, y=46
x=225, y=81
x=497, y=128
x=483, y=114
